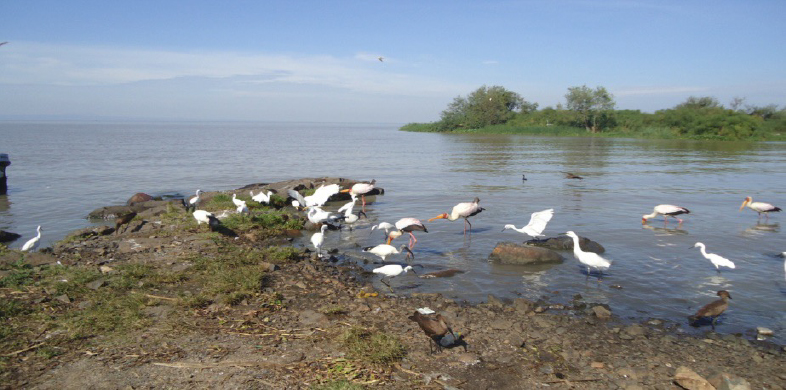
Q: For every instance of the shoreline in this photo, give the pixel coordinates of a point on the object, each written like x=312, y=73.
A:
x=287, y=326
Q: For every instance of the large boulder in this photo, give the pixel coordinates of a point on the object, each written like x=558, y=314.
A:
x=517, y=254
x=6, y=237
x=111, y=212
x=565, y=243
x=139, y=197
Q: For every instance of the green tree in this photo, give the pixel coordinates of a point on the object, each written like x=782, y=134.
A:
x=694, y=102
x=484, y=107
x=594, y=108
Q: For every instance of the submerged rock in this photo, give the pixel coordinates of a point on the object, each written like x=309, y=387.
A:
x=511, y=253
x=565, y=243
x=6, y=237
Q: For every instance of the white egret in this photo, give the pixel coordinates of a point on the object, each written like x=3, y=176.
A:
x=386, y=226
x=759, y=207
x=261, y=197
x=462, y=210
x=236, y=201
x=390, y=271
x=32, y=244
x=537, y=223
x=590, y=259
x=203, y=216
x=195, y=200
x=318, y=198
x=716, y=260
x=407, y=225
x=317, y=239
x=385, y=250
x=667, y=210
x=243, y=209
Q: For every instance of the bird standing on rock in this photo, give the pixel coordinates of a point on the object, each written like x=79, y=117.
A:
x=590, y=259
x=361, y=189
x=712, y=310
x=462, y=210
x=317, y=239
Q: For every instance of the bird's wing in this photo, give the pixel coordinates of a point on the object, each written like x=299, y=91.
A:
x=539, y=220
x=323, y=193
x=720, y=260
x=296, y=195
x=347, y=206
x=404, y=222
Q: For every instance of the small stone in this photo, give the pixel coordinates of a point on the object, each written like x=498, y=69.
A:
x=688, y=379
x=601, y=312
x=96, y=284
x=764, y=331
x=468, y=359
x=725, y=381
x=63, y=298
x=597, y=365
x=106, y=269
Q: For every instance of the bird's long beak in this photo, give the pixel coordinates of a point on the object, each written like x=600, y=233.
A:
x=346, y=190
x=389, y=240
x=441, y=216
x=744, y=202
x=409, y=252
x=643, y=221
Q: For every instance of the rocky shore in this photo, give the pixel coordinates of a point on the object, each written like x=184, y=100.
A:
x=166, y=303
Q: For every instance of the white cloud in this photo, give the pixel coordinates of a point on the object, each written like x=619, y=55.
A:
x=658, y=91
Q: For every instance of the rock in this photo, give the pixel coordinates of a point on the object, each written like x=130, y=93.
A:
x=689, y=380
x=523, y=305
x=494, y=301
x=634, y=331
x=724, y=381
x=597, y=365
x=312, y=318
x=443, y=274
x=565, y=243
x=601, y=312
x=111, y=212
x=511, y=253
x=6, y=237
x=139, y=197
x=468, y=358
x=96, y=284
x=106, y=269
x=764, y=331
x=63, y=298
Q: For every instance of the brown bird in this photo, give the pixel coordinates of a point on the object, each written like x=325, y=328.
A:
x=436, y=328
x=712, y=310
x=569, y=175
x=124, y=220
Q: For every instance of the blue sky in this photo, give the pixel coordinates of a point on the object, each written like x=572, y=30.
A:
x=317, y=60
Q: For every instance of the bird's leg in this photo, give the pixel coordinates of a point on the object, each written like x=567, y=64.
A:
x=713, y=322
x=363, y=199
x=412, y=241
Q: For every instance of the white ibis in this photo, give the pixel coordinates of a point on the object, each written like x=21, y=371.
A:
x=261, y=197
x=203, y=216
x=462, y=210
x=390, y=271
x=716, y=260
x=317, y=239
x=537, y=223
x=386, y=226
x=590, y=259
x=32, y=244
x=194, y=201
x=350, y=218
x=712, y=310
x=407, y=225
x=236, y=201
x=385, y=250
x=361, y=189
x=759, y=207
x=667, y=210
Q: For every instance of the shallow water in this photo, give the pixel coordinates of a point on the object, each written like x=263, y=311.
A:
x=62, y=171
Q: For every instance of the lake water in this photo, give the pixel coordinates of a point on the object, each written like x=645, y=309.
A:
x=62, y=171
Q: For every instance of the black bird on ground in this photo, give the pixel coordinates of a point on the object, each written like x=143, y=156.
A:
x=712, y=310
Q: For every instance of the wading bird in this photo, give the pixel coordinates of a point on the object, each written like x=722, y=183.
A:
x=712, y=310
x=207, y=217
x=243, y=209
x=317, y=239
x=667, y=210
x=350, y=218
x=537, y=223
x=759, y=207
x=462, y=210
x=194, y=201
x=32, y=244
x=385, y=250
x=569, y=175
x=124, y=220
x=261, y=197
x=391, y=271
x=361, y=189
x=236, y=201
x=407, y=225
x=436, y=328
x=386, y=226
x=318, y=198
x=716, y=260
x=590, y=259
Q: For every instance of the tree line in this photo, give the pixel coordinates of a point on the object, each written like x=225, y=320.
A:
x=594, y=111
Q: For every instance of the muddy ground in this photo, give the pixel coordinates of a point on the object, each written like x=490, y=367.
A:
x=295, y=328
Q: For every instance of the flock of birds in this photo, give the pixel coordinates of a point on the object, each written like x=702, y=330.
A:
x=345, y=215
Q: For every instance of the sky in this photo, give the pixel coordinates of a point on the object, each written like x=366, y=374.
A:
x=318, y=61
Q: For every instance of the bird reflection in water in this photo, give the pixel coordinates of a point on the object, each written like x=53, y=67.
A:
x=759, y=228
x=666, y=231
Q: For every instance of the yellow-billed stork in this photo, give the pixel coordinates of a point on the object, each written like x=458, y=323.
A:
x=759, y=207
x=667, y=210
x=462, y=210
x=407, y=225
x=361, y=189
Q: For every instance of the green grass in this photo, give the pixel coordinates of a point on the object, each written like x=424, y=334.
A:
x=21, y=274
x=370, y=346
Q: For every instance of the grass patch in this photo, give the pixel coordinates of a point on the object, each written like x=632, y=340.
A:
x=11, y=308
x=111, y=312
x=376, y=347
x=334, y=310
x=281, y=254
x=21, y=274
x=274, y=221
x=229, y=277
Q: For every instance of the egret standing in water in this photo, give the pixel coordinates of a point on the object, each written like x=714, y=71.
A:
x=716, y=260
x=32, y=244
x=537, y=224
x=462, y=210
x=390, y=271
x=667, y=211
x=590, y=259
x=317, y=239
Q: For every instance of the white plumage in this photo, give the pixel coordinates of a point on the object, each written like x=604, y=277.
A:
x=317, y=239
x=386, y=226
x=202, y=216
x=667, y=210
x=391, y=271
x=537, y=223
x=361, y=189
x=194, y=201
x=385, y=250
x=716, y=260
x=261, y=197
x=32, y=244
x=243, y=209
x=759, y=207
x=462, y=210
x=318, y=198
x=590, y=259
x=237, y=201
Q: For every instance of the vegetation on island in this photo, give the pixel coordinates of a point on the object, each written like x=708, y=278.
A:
x=593, y=112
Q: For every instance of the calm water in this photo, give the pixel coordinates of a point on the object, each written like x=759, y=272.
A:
x=62, y=171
